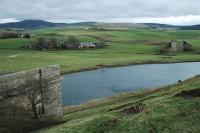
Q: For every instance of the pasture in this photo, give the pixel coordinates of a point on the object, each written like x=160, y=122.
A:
x=123, y=47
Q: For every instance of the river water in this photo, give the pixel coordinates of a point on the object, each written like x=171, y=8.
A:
x=84, y=86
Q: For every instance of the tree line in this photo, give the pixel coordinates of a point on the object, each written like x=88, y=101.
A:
x=54, y=44
x=6, y=35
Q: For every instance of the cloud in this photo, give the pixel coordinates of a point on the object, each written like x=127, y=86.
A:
x=164, y=11
x=173, y=20
x=8, y=20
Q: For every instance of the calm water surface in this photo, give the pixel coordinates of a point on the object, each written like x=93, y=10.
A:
x=83, y=86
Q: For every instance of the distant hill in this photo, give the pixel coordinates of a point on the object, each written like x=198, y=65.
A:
x=156, y=25
x=31, y=24
x=194, y=27
x=38, y=24
x=83, y=24
x=120, y=25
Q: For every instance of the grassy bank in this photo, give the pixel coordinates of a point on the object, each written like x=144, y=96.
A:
x=173, y=108
x=162, y=111
x=124, y=47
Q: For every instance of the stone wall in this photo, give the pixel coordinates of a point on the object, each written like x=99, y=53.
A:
x=20, y=87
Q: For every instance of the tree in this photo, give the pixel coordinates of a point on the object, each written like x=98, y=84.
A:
x=40, y=43
x=35, y=98
x=52, y=43
x=5, y=35
x=26, y=35
x=71, y=43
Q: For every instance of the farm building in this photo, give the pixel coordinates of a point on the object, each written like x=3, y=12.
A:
x=180, y=46
x=91, y=45
x=23, y=35
x=87, y=45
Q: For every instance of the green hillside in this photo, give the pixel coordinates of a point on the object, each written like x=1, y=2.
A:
x=123, y=47
x=161, y=111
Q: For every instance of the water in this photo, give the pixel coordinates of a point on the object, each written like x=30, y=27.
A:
x=83, y=86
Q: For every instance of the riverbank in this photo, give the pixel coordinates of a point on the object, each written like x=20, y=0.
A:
x=165, y=109
x=127, y=64
x=173, y=108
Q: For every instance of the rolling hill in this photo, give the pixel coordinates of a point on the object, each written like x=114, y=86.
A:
x=30, y=24
x=39, y=24
x=193, y=27
x=157, y=25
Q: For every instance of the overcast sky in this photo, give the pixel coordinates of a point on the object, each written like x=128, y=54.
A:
x=176, y=12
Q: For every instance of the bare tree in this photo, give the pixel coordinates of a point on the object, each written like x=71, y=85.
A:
x=71, y=43
x=41, y=43
x=52, y=43
x=35, y=98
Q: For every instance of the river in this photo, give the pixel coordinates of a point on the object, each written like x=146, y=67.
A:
x=84, y=86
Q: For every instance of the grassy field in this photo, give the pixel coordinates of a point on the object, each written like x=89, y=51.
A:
x=163, y=112
x=124, y=47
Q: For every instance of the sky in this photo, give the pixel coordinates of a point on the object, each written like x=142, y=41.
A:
x=175, y=12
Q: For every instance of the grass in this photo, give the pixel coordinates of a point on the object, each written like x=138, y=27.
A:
x=13, y=44
x=124, y=47
x=163, y=113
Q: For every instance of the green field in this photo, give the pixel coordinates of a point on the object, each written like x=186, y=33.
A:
x=124, y=47
x=163, y=112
